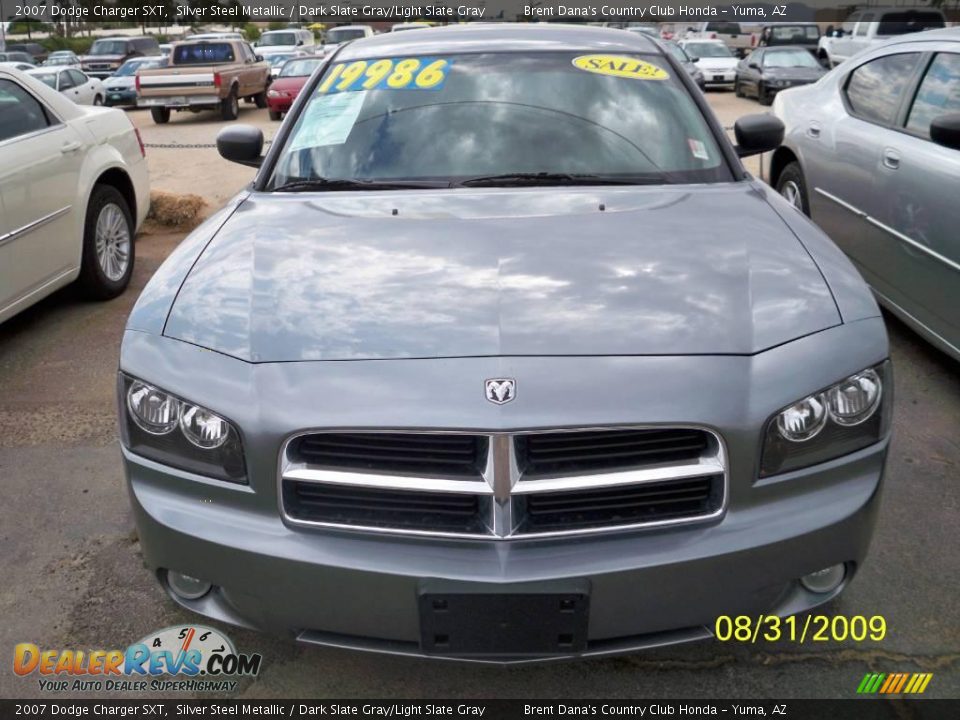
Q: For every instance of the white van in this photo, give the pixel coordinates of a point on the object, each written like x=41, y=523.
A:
x=286, y=39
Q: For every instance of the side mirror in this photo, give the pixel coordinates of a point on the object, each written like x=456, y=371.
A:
x=693, y=58
x=299, y=43
x=241, y=144
x=259, y=58
x=757, y=134
x=945, y=131
x=753, y=66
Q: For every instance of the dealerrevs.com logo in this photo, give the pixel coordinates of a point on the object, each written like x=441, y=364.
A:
x=181, y=658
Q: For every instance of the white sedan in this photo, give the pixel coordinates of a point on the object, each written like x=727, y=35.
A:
x=714, y=59
x=74, y=84
x=74, y=189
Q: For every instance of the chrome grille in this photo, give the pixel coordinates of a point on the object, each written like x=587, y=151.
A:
x=501, y=485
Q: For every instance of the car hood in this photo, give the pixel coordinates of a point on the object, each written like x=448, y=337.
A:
x=470, y=272
x=794, y=73
x=717, y=63
x=122, y=81
x=289, y=84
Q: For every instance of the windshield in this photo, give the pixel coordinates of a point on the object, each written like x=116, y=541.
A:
x=300, y=68
x=459, y=117
x=789, y=59
x=130, y=67
x=277, y=59
x=278, y=38
x=108, y=47
x=708, y=50
x=47, y=79
x=203, y=53
x=339, y=35
x=60, y=60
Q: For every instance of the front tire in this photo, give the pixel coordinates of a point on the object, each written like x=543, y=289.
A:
x=108, y=248
x=792, y=185
x=261, y=99
x=737, y=90
x=160, y=115
x=764, y=97
x=230, y=106
x=275, y=115
x=97, y=100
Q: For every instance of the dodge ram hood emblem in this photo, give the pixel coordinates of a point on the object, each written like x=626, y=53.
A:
x=500, y=390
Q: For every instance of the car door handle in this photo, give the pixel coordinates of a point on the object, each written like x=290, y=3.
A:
x=891, y=159
x=69, y=147
x=813, y=130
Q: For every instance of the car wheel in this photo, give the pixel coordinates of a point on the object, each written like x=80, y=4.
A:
x=230, y=106
x=97, y=100
x=763, y=97
x=160, y=115
x=261, y=99
x=275, y=115
x=793, y=187
x=737, y=90
x=108, y=247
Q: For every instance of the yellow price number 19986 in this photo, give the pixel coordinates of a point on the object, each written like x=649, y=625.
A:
x=423, y=73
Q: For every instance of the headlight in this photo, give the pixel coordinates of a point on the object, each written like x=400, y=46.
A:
x=836, y=421
x=176, y=432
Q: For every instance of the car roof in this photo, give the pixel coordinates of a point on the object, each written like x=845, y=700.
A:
x=500, y=37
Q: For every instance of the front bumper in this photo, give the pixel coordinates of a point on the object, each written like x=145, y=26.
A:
x=719, y=77
x=120, y=97
x=646, y=587
x=279, y=104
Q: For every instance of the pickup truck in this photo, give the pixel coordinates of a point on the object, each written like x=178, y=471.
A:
x=204, y=75
x=871, y=26
x=733, y=34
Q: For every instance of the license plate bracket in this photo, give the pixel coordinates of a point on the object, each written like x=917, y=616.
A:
x=525, y=624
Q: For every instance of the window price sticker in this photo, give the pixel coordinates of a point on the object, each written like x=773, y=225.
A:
x=412, y=73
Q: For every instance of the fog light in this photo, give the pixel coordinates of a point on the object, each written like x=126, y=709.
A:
x=826, y=580
x=186, y=587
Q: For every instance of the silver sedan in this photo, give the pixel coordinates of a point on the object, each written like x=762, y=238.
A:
x=872, y=154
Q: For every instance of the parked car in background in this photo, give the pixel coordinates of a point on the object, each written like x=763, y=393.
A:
x=204, y=75
x=108, y=54
x=288, y=39
x=714, y=59
x=37, y=52
x=74, y=189
x=121, y=87
x=400, y=27
x=872, y=154
x=287, y=85
x=873, y=26
x=768, y=70
x=277, y=59
x=730, y=34
x=17, y=56
x=62, y=58
x=343, y=33
x=23, y=66
x=689, y=63
x=72, y=83
x=806, y=35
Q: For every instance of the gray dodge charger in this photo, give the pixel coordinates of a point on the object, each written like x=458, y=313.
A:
x=503, y=356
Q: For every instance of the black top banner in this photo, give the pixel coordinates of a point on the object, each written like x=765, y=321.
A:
x=860, y=709
x=349, y=11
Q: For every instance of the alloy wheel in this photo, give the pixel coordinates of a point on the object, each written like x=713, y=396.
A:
x=112, y=242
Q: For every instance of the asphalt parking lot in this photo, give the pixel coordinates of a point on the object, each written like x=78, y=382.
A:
x=73, y=578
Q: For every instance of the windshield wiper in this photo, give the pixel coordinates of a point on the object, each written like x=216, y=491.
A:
x=354, y=184
x=552, y=178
